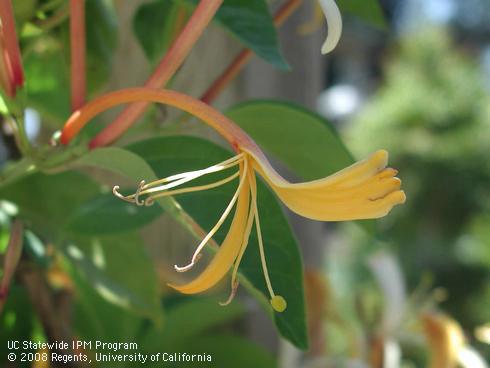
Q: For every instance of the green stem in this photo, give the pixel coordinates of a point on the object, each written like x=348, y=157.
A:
x=16, y=171
x=23, y=141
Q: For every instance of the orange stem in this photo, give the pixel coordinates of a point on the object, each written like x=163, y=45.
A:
x=78, y=54
x=245, y=55
x=11, y=53
x=214, y=118
x=174, y=58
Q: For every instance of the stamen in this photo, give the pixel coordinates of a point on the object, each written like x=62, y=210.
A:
x=278, y=303
x=243, y=247
x=176, y=180
x=218, y=224
x=234, y=289
x=151, y=200
x=138, y=193
x=235, y=160
x=189, y=266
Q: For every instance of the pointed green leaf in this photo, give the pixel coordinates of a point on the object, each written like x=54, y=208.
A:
x=154, y=26
x=368, y=10
x=105, y=214
x=118, y=161
x=251, y=22
x=48, y=200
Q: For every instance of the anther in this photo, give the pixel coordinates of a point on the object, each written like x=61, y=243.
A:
x=138, y=193
x=115, y=191
x=234, y=290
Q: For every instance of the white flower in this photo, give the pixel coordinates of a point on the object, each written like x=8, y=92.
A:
x=334, y=22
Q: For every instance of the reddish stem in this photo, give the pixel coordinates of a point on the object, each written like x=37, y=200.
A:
x=223, y=125
x=174, y=58
x=12, y=58
x=6, y=81
x=78, y=54
x=245, y=55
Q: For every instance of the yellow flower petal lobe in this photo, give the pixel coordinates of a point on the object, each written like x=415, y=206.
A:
x=364, y=190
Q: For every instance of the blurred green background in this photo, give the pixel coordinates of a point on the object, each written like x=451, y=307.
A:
x=410, y=76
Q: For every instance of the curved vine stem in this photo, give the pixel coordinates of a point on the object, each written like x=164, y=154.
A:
x=235, y=136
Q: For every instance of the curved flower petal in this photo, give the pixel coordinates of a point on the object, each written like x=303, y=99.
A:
x=334, y=21
x=228, y=251
x=364, y=190
x=445, y=338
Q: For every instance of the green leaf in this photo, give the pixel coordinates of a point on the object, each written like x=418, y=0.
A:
x=170, y=155
x=185, y=320
x=118, y=161
x=368, y=10
x=47, y=201
x=229, y=351
x=36, y=249
x=251, y=22
x=24, y=11
x=101, y=42
x=106, y=214
x=95, y=316
x=154, y=26
x=309, y=145
x=17, y=319
x=190, y=319
x=130, y=166
x=47, y=63
x=120, y=270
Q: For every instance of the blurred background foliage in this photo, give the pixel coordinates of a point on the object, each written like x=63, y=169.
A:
x=409, y=76
x=432, y=114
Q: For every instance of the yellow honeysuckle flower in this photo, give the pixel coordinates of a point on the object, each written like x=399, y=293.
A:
x=365, y=190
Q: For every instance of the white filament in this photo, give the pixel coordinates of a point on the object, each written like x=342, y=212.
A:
x=334, y=22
